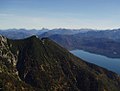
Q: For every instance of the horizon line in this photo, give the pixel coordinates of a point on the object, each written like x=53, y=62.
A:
x=43, y=28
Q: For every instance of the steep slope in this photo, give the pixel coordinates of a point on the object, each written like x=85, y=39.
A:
x=102, y=46
x=9, y=79
x=43, y=65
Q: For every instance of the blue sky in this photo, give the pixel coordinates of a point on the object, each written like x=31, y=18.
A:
x=96, y=14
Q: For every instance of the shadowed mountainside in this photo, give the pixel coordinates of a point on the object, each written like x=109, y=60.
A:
x=102, y=46
x=42, y=65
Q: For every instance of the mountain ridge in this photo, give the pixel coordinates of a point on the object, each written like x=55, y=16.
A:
x=102, y=46
x=44, y=65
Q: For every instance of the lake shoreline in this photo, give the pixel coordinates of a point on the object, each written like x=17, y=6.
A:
x=111, y=64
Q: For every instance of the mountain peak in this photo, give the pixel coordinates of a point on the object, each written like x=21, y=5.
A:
x=44, y=65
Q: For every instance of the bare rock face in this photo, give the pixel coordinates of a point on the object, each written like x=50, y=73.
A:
x=6, y=54
x=9, y=79
x=42, y=65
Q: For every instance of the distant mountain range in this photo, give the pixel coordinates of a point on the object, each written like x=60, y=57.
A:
x=23, y=33
x=108, y=34
x=104, y=42
x=34, y=64
x=20, y=33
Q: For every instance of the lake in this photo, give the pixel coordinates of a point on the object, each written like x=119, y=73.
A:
x=112, y=64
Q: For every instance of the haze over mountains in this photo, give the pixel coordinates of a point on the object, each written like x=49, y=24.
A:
x=104, y=42
x=78, y=50
x=35, y=64
x=113, y=34
x=22, y=33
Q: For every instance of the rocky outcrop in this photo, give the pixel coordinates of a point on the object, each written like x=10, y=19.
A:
x=6, y=56
x=43, y=65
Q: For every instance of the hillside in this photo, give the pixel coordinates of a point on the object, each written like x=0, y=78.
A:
x=102, y=46
x=35, y=64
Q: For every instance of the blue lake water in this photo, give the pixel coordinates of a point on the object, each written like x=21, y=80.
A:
x=112, y=64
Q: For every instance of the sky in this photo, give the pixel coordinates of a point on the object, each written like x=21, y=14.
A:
x=72, y=14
